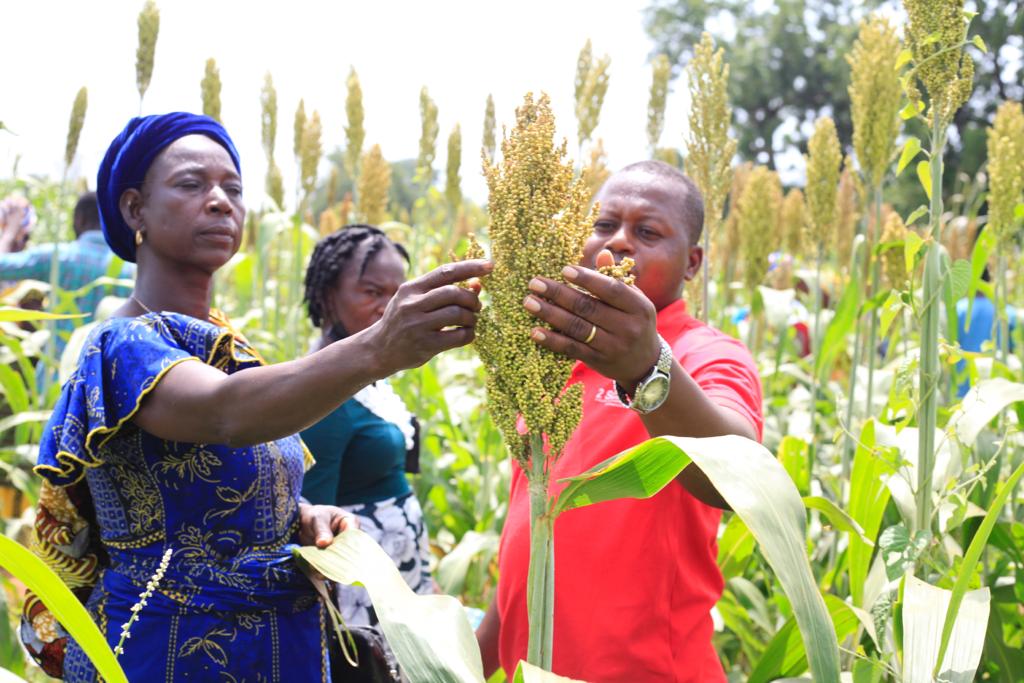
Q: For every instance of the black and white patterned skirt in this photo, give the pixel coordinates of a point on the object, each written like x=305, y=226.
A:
x=397, y=525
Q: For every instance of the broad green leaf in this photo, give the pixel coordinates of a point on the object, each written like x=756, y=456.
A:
x=12, y=314
x=959, y=594
x=983, y=246
x=62, y=604
x=793, y=456
x=981, y=404
x=915, y=214
x=868, y=671
x=979, y=43
x=912, y=244
x=924, y=608
x=892, y=306
x=836, y=517
x=785, y=656
x=903, y=58
x=735, y=548
x=528, y=673
x=838, y=330
x=960, y=278
x=868, y=497
x=911, y=148
x=453, y=567
x=900, y=551
x=924, y=175
x=429, y=634
x=760, y=491
x=639, y=472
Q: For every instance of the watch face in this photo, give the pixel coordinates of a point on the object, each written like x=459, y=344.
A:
x=652, y=394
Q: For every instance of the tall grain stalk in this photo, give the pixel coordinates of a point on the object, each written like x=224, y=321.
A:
x=535, y=200
x=759, y=227
x=355, y=132
x=149, y=30
x=1005, y=140
x=590, y=86
x=875, y=101
x=710, y=149
x=822, y=185
x=936, y=35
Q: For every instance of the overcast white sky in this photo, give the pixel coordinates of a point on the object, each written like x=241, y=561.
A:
x=460, y=49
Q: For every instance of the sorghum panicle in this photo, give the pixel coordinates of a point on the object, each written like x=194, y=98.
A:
x=793, y=220
x=298, y=128
x=533, y=200
x=489, y=140
x=823, y=181
x=452, y=185
x=661, y=71
x=946, y=71
x=75, y=125
x=310, y=151
x=268, y=116
x=875, y=96
x=355, y=133
x=894, y=264
x=1005, y=169
x=149, y=29
x=374, y=185
x=428, y=138
x=758, y=218
x=210, y=87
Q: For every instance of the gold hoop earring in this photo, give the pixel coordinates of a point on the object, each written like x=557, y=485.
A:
x=138, y=238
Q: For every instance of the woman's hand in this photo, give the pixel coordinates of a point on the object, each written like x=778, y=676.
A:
x=429, y=315
x=319, y=524
x=612, y=329
x=16, y=221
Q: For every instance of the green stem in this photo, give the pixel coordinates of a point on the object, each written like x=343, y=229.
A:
x=816, y=346
x=847, y=455
x=1002, y=296
x=540, y=590
x=873, y=325
x=704, y=276
x=930, y=374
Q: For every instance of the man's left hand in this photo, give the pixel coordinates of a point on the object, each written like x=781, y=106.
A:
x=319, y=524
x=612, y=329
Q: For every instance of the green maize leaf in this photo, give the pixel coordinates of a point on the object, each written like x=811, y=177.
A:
x=14, y=389
x=838, y=330
x=836, y=517
x=453, y=567
x=793, y=456
x=429, y=634
x=868, y=497
x=982, y=403
x=924, y=609
x=758, y=489
x=63, y=604
x=785, y=655
x=924, y=175
x=528, y=673
x=868, y=671
x=911, y=148
x=12, y=314
x=735, y=548
x=959, y=593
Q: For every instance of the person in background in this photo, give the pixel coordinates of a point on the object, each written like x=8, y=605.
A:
x=79, y=263
x=365, y=446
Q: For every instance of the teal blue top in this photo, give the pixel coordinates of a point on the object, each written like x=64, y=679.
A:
x=360, y=458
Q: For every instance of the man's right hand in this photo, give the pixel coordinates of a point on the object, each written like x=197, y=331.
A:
x=429, y=315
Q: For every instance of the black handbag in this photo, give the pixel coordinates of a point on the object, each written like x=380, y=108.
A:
x=376, y=663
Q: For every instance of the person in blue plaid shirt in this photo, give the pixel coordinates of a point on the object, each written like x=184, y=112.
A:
x=81, y=261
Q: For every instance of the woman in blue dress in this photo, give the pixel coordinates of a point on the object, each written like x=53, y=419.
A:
x=174, y=437
x=363, y=447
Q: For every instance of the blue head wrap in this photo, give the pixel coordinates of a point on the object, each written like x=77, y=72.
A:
x=130, y=156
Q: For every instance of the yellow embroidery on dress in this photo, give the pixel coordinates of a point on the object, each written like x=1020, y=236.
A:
x=197, y=463
x=234, y=498
x=208, y=644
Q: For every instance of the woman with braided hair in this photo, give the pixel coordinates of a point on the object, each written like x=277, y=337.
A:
x=365, y=446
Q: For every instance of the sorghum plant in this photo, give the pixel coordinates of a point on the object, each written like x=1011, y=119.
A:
x=355, y=133
x=149, y=29
x=661, y=71
x=374, y=184
x=210, y=88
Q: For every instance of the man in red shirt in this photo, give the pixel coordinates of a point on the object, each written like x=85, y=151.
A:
x=635, y=580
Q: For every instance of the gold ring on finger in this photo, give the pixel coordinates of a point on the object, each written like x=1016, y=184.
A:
x=593, y=333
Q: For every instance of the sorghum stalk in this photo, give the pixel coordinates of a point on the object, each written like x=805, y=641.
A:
x=710, y=149
x=590, y=87
x=533, y=199
x=822, y=185
x=936, y=33
x=374, y=184
x=489, y=141
x=876, y=267
x=758, y=222
x=452, y=187
x=661, y=71
x=355, y=133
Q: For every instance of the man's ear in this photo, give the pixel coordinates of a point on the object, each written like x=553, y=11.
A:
x=130, y=205
x=694, y=259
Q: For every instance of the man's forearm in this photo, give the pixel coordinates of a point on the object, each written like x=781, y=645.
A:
x=689, y=412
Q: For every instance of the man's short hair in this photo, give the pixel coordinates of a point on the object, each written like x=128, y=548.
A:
x=692, y=201
x=87, y=213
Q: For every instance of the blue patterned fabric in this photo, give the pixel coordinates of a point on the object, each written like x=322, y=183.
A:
x=130, y=155
x=233, y=605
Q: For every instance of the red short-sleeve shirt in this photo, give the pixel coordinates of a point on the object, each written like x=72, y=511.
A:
x=635, y=580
